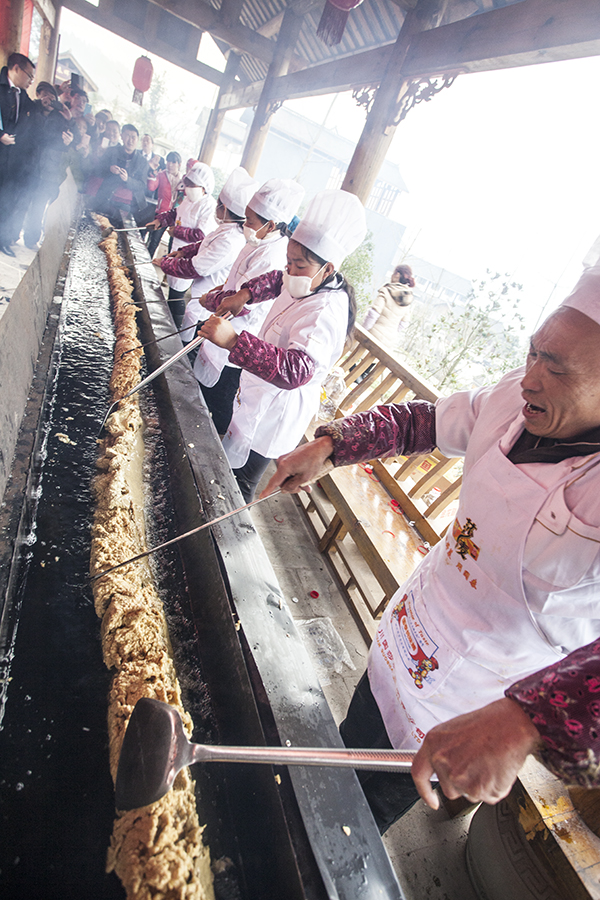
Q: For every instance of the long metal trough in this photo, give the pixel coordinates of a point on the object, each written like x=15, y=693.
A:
x=246, y=676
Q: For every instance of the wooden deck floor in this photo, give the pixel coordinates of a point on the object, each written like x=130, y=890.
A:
x=426, y=847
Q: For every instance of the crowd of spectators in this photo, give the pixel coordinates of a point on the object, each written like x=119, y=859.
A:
x=42, y=137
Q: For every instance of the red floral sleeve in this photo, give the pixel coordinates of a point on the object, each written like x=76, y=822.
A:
x=394, y=430
x=189, y=235
x=286, y=369
x=563, y=702
x=181, y=268
x=167, y=218
x=265, y=287
x=214, y=299
x=190, y=250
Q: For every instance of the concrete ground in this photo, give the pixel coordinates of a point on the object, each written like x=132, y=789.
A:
x=12, y=270
x=426, y=847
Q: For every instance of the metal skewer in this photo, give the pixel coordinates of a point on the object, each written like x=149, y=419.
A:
x=180, y=537
x=165, y=336
x=173, y=359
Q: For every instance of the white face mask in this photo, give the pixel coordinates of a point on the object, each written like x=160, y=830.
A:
x=252, y=237
x=194, y=194
x=299, y=285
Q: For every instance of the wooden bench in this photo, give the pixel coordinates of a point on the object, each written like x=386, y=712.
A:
x=376, y=521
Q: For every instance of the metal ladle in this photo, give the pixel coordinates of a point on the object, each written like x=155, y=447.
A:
x=155, y=748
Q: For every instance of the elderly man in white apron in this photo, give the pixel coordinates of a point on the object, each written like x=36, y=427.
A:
x=513, y=587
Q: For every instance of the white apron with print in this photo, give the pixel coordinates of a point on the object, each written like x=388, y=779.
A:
x=460, y=630
x=271, y=420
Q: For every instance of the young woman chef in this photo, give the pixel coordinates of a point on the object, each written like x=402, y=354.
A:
x=207, y=263
x=302, y=337
x=267, y=216
x=191, y=221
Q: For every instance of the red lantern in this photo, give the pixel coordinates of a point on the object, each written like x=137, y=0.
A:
x=141, y=78
x=333, y=21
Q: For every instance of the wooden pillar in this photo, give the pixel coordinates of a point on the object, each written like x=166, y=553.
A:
x=379, y=129
x=11, y=19
x=215, y=120
x=46, y=63
x=266, y=108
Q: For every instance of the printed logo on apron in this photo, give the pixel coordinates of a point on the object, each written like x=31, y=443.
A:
x=415, y=647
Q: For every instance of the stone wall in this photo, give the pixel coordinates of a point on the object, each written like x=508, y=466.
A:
x=23, y=323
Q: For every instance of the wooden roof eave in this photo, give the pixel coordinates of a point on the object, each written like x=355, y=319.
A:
x=525, y=33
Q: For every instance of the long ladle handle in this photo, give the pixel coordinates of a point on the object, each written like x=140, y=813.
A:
x=382, y=760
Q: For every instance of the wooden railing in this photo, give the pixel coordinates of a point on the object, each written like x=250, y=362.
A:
x=375, y=521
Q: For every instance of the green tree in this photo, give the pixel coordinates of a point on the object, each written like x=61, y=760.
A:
x=471, y=344
x=358, y=270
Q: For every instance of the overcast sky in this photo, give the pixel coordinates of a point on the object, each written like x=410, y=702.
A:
x=502, y=167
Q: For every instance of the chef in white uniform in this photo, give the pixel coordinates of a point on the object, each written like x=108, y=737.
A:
x=302, y=337
x=218, y=251
x=268, y=214
x=196, y=211
x=514, y=585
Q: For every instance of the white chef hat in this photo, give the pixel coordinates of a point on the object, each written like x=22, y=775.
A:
x=333, y=226
x=278, y=199
x=237, y=190
x=202, y=176
x=585, y=296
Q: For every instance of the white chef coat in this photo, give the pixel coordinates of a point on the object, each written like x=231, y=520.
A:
x=271, y=420
x=513, y=586
x=197, y=214
x=213, y=261
x=251, y=262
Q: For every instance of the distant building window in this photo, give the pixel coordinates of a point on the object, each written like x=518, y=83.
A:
x=336, y=177
x=381, y=198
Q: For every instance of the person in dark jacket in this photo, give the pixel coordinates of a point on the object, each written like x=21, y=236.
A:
x=17, y=110
x=126, y=176
x=53, y=138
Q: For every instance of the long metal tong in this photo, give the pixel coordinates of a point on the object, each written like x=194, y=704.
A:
x=180, y=537
x=173, y=359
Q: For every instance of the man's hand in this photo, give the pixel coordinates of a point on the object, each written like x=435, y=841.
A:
x=7, y=139
x=157, y=261
x=67, y=138
x=171, y=229
x=297, y=469
x=219, y=332
x=234, y=303
x=478, y=755
x=123, y=174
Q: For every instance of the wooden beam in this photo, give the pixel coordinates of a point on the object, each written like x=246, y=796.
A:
x=533, y=31
x=145, y=38
x=217, y=116
x=540, y=31
x=378, y=132
x=265, y=108
x=326, y=78
x=206, y=17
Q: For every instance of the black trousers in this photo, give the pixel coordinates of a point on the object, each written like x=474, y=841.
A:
x=154, y=240
x=250, y=474
x=220, y=397
x=176, y=305
x=389, y=794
